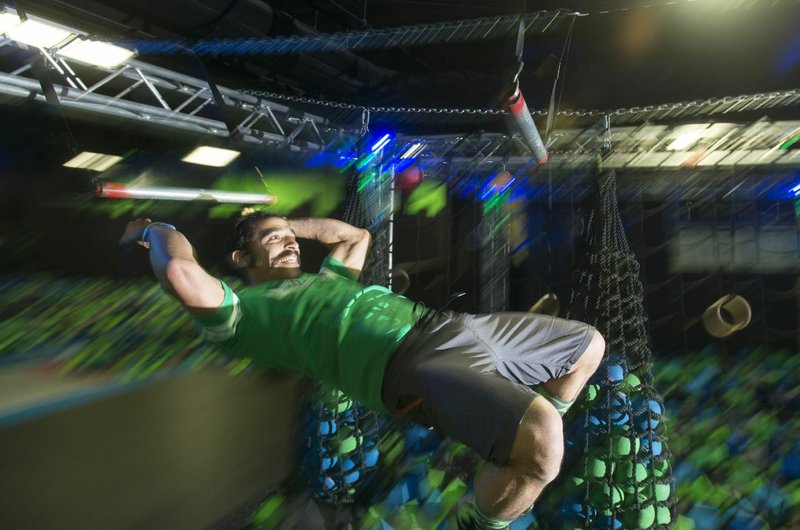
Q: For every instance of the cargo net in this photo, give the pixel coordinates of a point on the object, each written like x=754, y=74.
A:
x=340, y=436
x=616, y=471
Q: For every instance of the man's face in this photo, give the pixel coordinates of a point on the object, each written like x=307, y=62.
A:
x=273, y=246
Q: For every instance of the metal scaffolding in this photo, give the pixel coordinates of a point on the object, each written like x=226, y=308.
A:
x=637, y=140
x=153, y=95
x=703, y=145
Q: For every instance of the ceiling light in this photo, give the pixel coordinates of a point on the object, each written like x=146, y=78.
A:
x=211, y=156
x=92, y=161
x=684, y=136
x=113, y=190
x=414, y=150
x=97, y=53
x=8, y=21
x=38, y=34
x=683, y=141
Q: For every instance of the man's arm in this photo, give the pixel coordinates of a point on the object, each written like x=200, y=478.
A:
x=174, y=264
x=348, y=244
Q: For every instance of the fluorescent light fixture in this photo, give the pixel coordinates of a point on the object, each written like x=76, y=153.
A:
x=8, y=21
x=684, y=136
x=796, y=190
x=113, y=190
x=683, y=141
x=97, y=53
x=211, y=156
x=38, y=34
x=92, y=161
x=413, y=150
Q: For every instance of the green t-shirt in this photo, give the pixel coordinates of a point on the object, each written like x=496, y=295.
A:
x=326, y=326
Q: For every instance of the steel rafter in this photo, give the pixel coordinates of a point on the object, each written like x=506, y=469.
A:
x=448, y=32
x=150, y=94
x=714, y=146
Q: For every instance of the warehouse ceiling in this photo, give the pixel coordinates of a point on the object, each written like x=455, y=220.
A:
x=654, y=66
x=576, y=55
x=726, y=72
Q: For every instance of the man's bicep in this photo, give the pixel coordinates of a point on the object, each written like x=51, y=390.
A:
x=352, y=254
x=197, y=291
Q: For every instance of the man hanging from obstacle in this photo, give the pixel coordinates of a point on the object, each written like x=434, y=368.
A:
x=471, y=377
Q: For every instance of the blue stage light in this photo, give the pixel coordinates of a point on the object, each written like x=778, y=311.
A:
x=380, y=144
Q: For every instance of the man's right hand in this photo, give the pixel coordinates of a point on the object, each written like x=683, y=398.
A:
x=133, y=233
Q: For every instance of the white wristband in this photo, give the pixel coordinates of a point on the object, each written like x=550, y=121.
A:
x=146, y=231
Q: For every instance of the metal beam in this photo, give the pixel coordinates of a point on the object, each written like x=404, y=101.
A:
x=448, y=32
x=142, y=92
x=763, y=143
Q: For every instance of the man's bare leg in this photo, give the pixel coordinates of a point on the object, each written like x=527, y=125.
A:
x=504, y=493
x=507, y=492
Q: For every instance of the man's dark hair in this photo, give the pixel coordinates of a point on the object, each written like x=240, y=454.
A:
x=241, y=232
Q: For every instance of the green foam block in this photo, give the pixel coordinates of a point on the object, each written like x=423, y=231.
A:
x=622, y=446
x=662, y=492
x=647, y=517
x=596, y=468
x=662, y=515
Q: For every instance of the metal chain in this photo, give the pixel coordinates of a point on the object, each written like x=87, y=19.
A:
x=744, y=100
x=388, y=110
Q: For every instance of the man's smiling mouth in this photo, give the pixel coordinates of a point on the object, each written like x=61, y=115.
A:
x=290, y=258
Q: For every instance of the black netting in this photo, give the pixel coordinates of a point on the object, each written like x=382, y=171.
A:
x=341, y=446
x=367, y=205
x=617, y=471
x=608, y=290
x=341, y=436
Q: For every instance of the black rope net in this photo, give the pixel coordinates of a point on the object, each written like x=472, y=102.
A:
x=616, y=471
x=340, y=439
x=368, y=205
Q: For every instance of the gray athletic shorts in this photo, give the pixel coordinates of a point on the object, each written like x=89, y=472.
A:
x=473, y=373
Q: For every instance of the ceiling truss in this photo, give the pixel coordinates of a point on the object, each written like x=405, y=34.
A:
x=377, y=38
x=702, y=145
x=153, y=95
